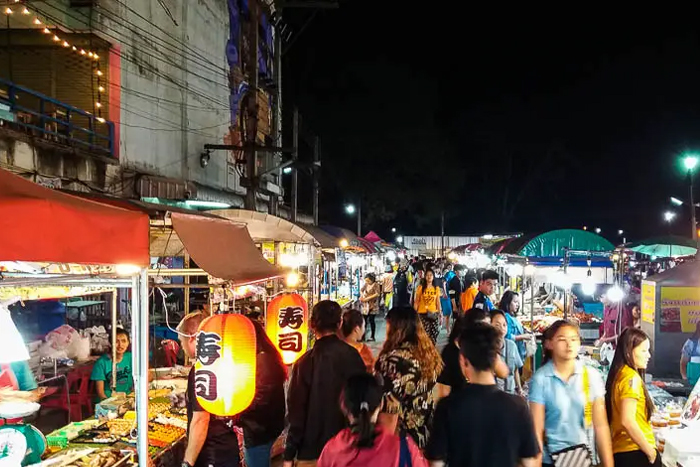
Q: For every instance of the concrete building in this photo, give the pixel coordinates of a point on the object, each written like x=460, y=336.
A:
x=121, y=96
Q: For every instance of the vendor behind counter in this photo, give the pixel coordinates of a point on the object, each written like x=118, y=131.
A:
x=690, y=358
x=102, y=371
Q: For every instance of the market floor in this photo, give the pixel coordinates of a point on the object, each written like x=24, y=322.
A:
x=381, y=337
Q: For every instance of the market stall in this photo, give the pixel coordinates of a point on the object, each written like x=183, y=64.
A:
x=79, y=231
x=284, y=244
x=670, y=313
x=353, y=258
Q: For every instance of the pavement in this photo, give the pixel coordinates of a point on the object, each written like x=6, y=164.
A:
x=381, y=337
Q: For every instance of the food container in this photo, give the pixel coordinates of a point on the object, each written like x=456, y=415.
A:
x=659, y=422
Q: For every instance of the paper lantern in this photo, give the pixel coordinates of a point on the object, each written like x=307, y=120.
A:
x=287, y=326
x=224, y=373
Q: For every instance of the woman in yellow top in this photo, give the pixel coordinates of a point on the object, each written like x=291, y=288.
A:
x=427, y=304
x=628, y=403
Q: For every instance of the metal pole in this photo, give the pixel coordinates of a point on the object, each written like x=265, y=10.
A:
x=141, y=373
x=186, y=265
x=359, y=217
x=317, y=159
x=113, y=383
x=692, y=207
x=295, y=172
x=277, y=122
x=252, y=110
x=442, y=234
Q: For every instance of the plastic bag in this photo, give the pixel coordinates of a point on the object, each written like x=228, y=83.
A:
x=530, y=347
x=81, y=348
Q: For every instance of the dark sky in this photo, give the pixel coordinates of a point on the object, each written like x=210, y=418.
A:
x=527, y=123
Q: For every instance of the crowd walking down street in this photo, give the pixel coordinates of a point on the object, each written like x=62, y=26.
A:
x=407, y=389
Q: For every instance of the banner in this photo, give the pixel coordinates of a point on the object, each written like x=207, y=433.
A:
x=680, y=309
x=648, y=301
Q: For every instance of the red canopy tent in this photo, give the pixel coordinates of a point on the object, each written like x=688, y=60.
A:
x=40, y=224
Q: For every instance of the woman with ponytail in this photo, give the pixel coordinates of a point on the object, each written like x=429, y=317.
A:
x=366, y=443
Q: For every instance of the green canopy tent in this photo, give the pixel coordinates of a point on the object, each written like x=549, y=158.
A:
x=665, y=247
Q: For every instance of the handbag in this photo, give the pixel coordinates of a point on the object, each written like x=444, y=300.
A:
x=404, y=453
x=579, y=455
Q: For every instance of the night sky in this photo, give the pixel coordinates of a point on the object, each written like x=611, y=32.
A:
x=522, y=123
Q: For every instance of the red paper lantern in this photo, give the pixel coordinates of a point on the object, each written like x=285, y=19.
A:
x=224, y=373
x=287, y=326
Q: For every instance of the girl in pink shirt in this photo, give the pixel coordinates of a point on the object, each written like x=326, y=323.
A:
x=365, y=444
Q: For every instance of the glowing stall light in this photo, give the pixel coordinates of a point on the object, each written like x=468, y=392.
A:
x=615, y=293
x=344, y=243
x=224, y=373
x=588, y=287
x=515, y=270
x=481, y=259
x=391, y=255
x=530, y=270
x=355, y=261
x=561, y=279
x=292, y=279
x=287, y=326
x=12, y=348
x=126, y=269
x=289, y=260
x=452, y=256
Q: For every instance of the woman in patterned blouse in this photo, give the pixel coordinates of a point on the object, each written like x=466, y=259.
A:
x=409, y=364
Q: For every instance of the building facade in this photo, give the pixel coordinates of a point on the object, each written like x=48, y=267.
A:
x=121, y=97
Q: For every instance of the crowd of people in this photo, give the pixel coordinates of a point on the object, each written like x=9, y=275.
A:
x=413, y=405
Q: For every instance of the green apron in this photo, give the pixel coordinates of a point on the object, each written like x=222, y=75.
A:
x=692, y=369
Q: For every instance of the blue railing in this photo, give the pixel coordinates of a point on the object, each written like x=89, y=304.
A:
x=42, y=115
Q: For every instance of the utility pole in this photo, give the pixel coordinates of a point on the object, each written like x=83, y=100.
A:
x=295, y=158
x=442, y=233
x=316, y=176
x=359, y=217
x=277, y=118
x=251, y=123
x=692, y=207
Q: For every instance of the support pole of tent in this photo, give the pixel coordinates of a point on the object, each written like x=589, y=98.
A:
x=113, y=383
x=532, y=315
x=187, y=282
x=139, y=328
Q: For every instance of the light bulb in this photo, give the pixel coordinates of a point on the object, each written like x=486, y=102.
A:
x=56, y=38
x=25, y=12
x=615, y=293
x=82, y=52
x=74, y=48
x=37, y=21
x=47, y=31
x=66, y=44
x=8, y=11
x=95, y=56
x=588, y=287
x=98, y=104
x=89, y=54
x=98, y=72
x=100, y=119
x=101, y=88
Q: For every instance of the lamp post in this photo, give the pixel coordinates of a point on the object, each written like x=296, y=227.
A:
x=350, y=209
x=690, y=162
x=668, y=217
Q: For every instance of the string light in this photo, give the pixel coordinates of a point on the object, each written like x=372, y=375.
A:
x=37, y=21
x=98, y=104
x=98, y=73
x=101, y=88
x=8, y=11
x=66, y=44
x=100, y=119
x=56, y=38
x=25, y=11
x=47, y=31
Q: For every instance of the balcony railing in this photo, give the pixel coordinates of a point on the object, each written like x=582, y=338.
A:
x=53, y=120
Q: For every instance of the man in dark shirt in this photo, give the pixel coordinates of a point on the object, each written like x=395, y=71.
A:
x=479, y=425
x=487, y=286
x=211, y=441
x=454, y=287
x=313, y=399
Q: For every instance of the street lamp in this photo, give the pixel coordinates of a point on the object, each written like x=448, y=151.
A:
x=690, y=161
x=669, y=216
x=676, y=202
x=350, y=209
x=399, y=239
x=393, y=230
x=598, y=230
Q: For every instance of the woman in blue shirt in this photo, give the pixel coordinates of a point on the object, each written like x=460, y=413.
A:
x=690, y=357
x=102, y=371
x=510, y=303
x=567, y=399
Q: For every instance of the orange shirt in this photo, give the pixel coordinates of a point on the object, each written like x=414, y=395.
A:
x=366, y=354
x=467, y=297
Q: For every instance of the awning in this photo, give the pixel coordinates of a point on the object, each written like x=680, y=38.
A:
x=223, y=249
x=323, y=238
x=354, y=243
x=266, y=227
x=40, y=224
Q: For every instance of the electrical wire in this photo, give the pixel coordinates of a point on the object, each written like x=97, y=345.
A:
x=159, y=55
x=188, y=87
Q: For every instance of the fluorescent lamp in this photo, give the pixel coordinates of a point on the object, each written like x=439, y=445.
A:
x=194, y=203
